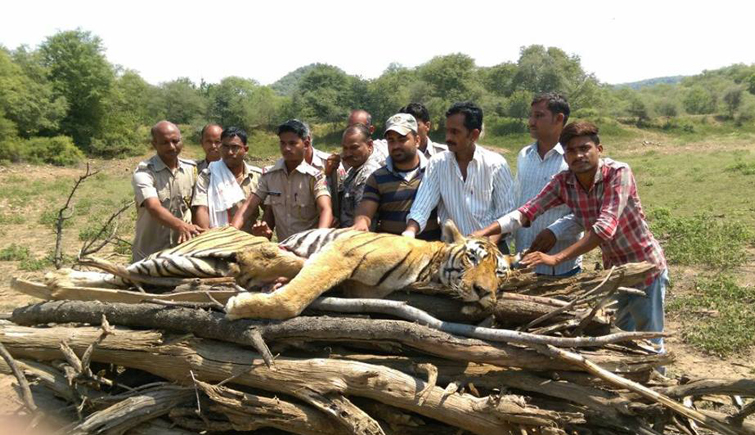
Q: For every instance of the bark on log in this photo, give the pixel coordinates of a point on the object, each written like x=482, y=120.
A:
x=212, y=361
x=134, y=411
x=250, y=412
x=216, y=326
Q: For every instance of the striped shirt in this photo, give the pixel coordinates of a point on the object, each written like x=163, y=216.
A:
x=474, y=203
x=611, y=208
x=395, y=194
x=532, y=174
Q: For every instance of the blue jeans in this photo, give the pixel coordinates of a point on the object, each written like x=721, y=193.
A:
x=637, y=313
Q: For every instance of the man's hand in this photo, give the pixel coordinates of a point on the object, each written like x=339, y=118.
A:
x=535, y=258
x=260, y=229
x=187, y=231
x=331, y=164
x=361, y=225
x=409, y=233
x=544, y=242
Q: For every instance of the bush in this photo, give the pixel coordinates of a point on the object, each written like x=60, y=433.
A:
x=14, y=253
x=58, y=150
x=501, y=126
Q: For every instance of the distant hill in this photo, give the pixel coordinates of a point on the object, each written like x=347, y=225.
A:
x=671, y=80
x=287, y=84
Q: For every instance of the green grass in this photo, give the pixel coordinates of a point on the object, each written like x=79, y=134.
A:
x=14, y=253
x=718, y=316
x=11, y=219
x=701, y=240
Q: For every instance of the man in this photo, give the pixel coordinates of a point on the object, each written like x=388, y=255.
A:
x=225, y=184
x=380, y=146
x=209, y=138
x=162, y=189
x=390, y=190
x=358, y=154
x=537, y=163
x=602, y=195
x=469, y=184
x=420, y=113
x=299, y=198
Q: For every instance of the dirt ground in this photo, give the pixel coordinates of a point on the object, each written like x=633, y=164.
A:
x=689, y=362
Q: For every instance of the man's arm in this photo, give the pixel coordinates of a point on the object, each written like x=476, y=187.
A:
x=565, y=228
x=364, y=213
x=586, y=244
x=246, y=211
x=426, y=200
x=201, y=216
x=326, y=212
x=185, y=230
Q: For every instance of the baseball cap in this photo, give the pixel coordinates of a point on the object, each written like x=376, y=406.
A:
x=401, y=123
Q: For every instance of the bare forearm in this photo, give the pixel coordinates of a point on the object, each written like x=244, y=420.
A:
x=162, y=214
x=246, y=211
x=201, y=216
x=584, y=245
x=326, y=212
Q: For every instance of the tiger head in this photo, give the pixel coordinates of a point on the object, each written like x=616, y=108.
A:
x=473, y=267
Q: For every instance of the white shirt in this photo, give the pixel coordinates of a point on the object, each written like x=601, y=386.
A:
x=380, y=150
x=434, y=148
x=533, y=173
x=472, y=204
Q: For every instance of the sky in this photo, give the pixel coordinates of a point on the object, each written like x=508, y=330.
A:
x=617, y=41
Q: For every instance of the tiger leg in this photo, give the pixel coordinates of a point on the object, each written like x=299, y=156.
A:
x=289, y=301
x=266, y=264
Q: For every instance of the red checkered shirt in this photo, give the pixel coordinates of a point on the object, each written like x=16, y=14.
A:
x=611, y=208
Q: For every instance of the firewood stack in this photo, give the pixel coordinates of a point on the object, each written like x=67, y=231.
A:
x=545, y=360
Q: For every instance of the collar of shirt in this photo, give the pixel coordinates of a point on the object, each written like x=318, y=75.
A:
x=391, y=169
x=558, y=149
x=158, y=164
x=602, y=165
x=319, y=158
x=303, y=168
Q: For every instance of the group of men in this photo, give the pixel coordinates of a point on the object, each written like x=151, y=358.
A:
x=565, y=200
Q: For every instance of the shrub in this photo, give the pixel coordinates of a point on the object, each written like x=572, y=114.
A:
x=58, y=150
x=14, y=253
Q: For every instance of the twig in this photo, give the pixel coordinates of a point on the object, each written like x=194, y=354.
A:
x=23, y=384
x=570, y=305
x=584, y=322
x=260, y=346
x=739, y=417
x=62, y=217
x=404, y=311
x=635, y=387
x=88, y=249
x=432, y=380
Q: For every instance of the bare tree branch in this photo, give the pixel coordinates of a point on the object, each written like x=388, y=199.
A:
x=64, y=214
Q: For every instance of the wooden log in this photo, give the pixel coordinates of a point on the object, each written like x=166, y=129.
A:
x=216, y=326
x=158, y=427
x=134, y=411
x=249, y=412
x=213, y=361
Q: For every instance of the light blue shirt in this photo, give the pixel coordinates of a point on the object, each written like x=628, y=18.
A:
x=533, y=173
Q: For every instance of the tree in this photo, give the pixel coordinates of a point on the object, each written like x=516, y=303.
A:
x=324, y=94
x=28, y=101
x=733, y=99
x=242, y=102
x=80, y=73
x=182, y=101
x=450, y=77
x=698, y=101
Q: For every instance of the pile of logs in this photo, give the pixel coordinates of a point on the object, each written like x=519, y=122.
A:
x=544, y=360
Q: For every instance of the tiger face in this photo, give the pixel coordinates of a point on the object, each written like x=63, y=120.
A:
x=474, y=267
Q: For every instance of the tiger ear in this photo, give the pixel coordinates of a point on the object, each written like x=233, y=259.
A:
x=451, y=234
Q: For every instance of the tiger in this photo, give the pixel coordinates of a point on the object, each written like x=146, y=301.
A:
x=369, y=264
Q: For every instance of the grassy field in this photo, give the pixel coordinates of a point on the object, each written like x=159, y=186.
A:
x=697, y=190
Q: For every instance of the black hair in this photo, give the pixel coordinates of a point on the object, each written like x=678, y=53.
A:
x=472, y=114
x=232, y=132
x=555, y=102
x=417, y=110
x=294, y=126
x=358, y=128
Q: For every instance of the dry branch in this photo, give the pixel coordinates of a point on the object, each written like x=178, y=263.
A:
x=89, y=247
x=23, y=384
x=57, y=257
x=330, y=329
x=153, y=352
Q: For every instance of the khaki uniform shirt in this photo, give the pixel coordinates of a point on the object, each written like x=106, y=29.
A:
x=202, y=164
x=249, y=184
x=152, y=179
x=292, y=196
